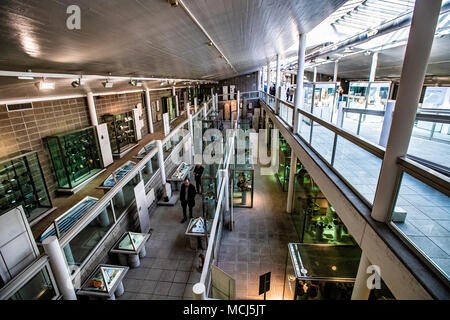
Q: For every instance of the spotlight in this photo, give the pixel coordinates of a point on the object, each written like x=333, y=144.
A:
x=173, y=3
x=209, y=43
x=75, y=84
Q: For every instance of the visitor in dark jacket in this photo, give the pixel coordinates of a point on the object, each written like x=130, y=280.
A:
x=198, y=172
x=187, y=198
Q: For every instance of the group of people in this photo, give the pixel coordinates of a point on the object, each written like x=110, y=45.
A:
x=290, y=94
x=188, y=192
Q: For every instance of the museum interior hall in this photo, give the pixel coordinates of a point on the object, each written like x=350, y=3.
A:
x=225, y=150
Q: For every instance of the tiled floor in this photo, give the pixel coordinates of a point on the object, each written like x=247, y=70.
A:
x=259, y=242
x=169, y=270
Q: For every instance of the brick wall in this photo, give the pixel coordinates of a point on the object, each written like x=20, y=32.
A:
x=24, y=130
x=244, y=83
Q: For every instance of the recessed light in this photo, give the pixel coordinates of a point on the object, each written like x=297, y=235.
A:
x=46, y=85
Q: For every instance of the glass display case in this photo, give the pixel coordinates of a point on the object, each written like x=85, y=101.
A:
x=104, y=282
x=243, y=181
x=121, y=130
x=64, y=222
x=209, y=196
x=145, y=150
x=436, y=98
x=40, y=287
x=169, y=106
x=196, y=234
x=320, y=99
x=180, y=173
x=320, y=272
x=129, y=247
x=368, y=95
x=76, y=158
x=22, y=183
x=131, y=241
x=315, y=220
x=118, y=175
x=284, y=165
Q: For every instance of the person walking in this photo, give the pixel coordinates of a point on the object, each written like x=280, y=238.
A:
x=288, y=93
x=198, y=172
x=187, y=198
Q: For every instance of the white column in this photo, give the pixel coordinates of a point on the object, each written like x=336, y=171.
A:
x=177, y=106
x=278, y=76
x=238, y=104
x=92, y=111
x=195, y=105
x=199, y=291
x=149, y=110
x=360, y=290
x=373, y=67
x=336, y=68
x=224, y=175
x=268, y=77
x=258, y=87
x=300, y=74
x=418, y=48
x=59, y=268
x=190, y=123
x=292, y=171
x=387, y=121
x=315, y=74
x=173, y=91
x=161, y=161
x=217, y=102
x=205, y=109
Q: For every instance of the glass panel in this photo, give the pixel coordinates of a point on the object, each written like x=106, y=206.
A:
x=359, y=167
x=304, y=128
x=431, y=141
x=125, y=197
x=147, y=172
x=370, y=127
x=314, y=218
x=322, y=141
x=39, y=287
x=77, y=250
x=422, y=215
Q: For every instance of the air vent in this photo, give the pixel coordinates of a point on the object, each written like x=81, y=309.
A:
x=19, y=107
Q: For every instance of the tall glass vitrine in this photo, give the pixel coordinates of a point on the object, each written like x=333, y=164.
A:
x=243, y=178
x=121, y=130
x=76, y=158
x=22, y=183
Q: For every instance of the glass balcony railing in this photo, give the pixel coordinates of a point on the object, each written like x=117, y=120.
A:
x=421, y=209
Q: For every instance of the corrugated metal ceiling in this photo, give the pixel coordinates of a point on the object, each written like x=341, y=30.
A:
x=150, y=38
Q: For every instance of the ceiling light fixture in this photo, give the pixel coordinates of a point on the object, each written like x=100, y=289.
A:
x=108, y=84
x=173, y=3
x=46, y=85
x=23, y=77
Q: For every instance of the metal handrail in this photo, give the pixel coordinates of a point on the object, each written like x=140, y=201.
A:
x=370, y=147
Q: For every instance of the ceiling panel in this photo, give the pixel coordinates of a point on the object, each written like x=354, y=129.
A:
x=150, y=38
x=251, y=31
x=390, y=62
